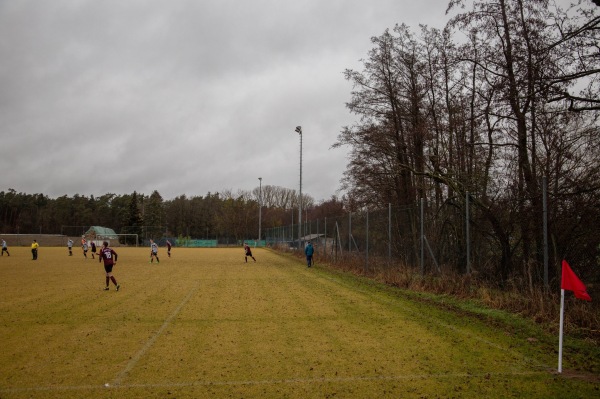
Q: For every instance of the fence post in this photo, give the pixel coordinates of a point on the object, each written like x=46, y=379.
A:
x=349, y=232
x=325, y=245
x=390, y=234
x=317, y=240
x=367, y=245
x=422, y=241
x=468, y=239
x=545, y=221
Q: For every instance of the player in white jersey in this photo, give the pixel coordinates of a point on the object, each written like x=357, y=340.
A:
x=4, y=248
x=153, y=251
x=84, y=246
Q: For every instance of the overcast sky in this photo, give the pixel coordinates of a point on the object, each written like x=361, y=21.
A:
x=182, y=96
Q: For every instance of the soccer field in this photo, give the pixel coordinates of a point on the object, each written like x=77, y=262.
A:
x=205, y=324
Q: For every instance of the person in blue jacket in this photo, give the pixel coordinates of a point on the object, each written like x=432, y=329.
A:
x=309, y=251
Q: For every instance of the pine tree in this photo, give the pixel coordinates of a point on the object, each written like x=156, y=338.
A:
x=154, y=216
x=134, y=221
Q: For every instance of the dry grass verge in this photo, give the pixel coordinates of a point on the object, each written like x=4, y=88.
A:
x=582, y=318
x=465, y=293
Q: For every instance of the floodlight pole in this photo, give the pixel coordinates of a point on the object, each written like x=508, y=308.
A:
x=259, y=207
x=299, y=131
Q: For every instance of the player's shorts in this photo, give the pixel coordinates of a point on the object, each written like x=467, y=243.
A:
x=108, y=268
x=248, y=253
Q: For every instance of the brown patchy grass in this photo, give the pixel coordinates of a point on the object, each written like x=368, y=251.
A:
x=205, y=324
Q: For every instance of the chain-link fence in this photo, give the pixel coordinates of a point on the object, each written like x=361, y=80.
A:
x=454, y=236
x=381, y=237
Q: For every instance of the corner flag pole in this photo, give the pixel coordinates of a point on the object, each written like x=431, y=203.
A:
x=560, y=337
x=568, y=281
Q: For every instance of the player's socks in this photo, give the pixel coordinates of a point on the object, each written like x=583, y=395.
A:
x=113, y=279
x=107, y=280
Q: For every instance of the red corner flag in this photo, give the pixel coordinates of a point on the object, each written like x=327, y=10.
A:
x=572, y=283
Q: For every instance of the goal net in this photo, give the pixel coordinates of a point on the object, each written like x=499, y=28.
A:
x=117, y=240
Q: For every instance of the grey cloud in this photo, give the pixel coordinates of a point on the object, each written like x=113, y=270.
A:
x=184, y=97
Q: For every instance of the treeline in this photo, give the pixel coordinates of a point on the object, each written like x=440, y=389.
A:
x=222, y=215
x=499, y=103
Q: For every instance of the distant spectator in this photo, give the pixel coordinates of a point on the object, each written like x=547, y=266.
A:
x=309, y=251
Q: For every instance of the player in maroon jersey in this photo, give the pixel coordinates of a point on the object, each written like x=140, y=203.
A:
x=110, y=259
x=248, y=252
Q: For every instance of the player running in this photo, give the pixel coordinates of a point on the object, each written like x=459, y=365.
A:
x=153, y=251
x=4, y=248
x=248, y=253
x=93, y=244
x=110, y=259
x=169, y=248
x=70, y=247
x=84, y=246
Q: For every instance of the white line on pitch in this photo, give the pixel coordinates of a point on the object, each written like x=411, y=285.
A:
x=153, y=339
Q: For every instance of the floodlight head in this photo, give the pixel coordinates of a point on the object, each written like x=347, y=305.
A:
x=299, y=129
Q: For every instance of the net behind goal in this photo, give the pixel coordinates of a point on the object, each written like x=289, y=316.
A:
x=117, y=240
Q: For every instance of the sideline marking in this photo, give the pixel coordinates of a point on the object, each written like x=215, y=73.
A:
x=150, y=342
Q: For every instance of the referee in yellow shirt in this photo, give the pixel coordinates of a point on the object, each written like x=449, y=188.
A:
x=34, y=248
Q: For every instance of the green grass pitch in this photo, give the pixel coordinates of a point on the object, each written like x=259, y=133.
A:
x=205, y=324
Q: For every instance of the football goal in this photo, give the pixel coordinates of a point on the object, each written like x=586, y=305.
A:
x=116, y=240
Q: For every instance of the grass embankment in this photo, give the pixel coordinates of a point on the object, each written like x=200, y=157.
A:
x=203, y=323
